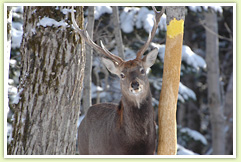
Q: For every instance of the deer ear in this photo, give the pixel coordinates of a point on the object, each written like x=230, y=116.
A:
x=110, y=66
x=150, y=58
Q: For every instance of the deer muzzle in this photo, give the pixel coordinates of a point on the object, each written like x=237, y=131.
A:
x=135, y=87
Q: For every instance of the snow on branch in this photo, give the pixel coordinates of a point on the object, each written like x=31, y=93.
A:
x=205, y=8
x=188, y=56
x=142, y=17
x=194, y=134
x=184, y=92
x=100, y=10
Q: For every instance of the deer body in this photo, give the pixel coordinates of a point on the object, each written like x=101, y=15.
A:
x=127, y=128
x=104, y=132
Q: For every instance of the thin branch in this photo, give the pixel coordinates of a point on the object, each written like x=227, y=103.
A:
x=211, y=31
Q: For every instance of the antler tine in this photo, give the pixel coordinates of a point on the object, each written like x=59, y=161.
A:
x=158, y=15
x=84, y=35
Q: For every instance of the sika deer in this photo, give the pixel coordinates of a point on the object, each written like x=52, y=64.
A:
x=126, y=128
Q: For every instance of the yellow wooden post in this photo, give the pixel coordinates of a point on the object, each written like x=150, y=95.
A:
x=167, y=142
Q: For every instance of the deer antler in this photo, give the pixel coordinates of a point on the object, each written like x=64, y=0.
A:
x=84, y=35
x=158, y=15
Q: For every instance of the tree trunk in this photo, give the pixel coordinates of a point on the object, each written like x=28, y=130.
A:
x=117, y=31
x=167, y=144
x=9, y=26
x=51, y=81
x=214, y=92
x=228, y=111
x=88, y=68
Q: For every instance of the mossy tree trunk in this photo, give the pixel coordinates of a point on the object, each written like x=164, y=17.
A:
x=45, y=120
x=167, y=141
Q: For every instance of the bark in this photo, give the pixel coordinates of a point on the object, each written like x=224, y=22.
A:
x=228, y=111
x=214, y=92
x=117, y=31
x=167, y=142
x=8, y=43
x=88, y=68
x=9, y=26
x=51, y=81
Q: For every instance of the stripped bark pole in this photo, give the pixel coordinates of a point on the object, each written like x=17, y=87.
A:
x=167, y=144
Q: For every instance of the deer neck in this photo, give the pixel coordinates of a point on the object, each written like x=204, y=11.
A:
x=134, y=116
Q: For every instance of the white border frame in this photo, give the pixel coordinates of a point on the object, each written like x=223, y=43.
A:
x=6, y=69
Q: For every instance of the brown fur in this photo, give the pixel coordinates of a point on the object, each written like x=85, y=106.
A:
x=127, y=128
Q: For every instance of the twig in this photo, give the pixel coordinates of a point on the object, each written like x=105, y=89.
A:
x=211, y=31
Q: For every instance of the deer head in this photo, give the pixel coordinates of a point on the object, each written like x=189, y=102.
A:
x=133, y=79
x=132, y=74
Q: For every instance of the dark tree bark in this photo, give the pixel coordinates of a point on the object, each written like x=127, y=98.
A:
x=45, y=120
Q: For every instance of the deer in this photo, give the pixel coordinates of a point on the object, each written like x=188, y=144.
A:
x=127, y=128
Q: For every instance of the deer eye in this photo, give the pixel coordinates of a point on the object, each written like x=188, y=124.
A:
x=142, y=71
x=122, y=75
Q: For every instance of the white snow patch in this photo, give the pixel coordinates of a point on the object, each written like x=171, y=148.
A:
x=17, y=9
x=146, y=17
x=17, y=97
x=188, y=56
x=205, y=8
x=127, y=19
x=66, y=10
x=195, y=8
x=16, y=33
x=195, y=135
x=192, y=58
x=100, y=10
x=215, y=8
x=183, y=151
x=142, y=17
x=46, y=21
x=186, y=92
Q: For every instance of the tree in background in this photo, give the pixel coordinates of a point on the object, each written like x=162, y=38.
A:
x=46, y=108
x=213, y=82
x=87, y=102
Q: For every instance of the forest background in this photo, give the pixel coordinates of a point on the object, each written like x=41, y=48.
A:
x=189, y=96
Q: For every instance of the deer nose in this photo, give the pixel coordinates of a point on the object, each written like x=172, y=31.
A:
x=135, y=85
